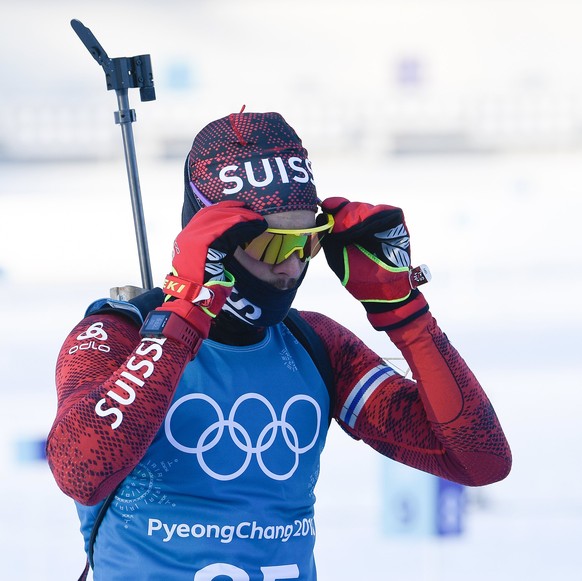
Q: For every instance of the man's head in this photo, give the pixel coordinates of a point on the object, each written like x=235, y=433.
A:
x=256, y=158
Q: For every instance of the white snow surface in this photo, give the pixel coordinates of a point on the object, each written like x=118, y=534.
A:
x=501, y=235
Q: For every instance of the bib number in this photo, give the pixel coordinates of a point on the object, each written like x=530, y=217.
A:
x=274, y=573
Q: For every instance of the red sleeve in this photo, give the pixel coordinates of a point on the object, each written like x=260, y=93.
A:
x=113, y=390
x=440, y=422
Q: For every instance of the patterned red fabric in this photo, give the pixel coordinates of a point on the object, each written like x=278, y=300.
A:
x=442, y=422
x=256, y=158
x=87, y=457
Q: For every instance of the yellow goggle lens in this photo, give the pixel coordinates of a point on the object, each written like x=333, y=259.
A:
x=276, y=245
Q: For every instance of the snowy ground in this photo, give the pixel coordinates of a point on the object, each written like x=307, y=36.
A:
x=502, y=237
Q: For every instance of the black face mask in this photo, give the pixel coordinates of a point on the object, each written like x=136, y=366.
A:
x=256, y=302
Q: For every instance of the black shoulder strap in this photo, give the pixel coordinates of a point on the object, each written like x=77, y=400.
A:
x=97, y=523
x=313, y=344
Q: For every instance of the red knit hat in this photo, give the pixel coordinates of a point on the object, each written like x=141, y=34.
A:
x=256, y=158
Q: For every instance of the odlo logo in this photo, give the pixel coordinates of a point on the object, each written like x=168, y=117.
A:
x=94, y=333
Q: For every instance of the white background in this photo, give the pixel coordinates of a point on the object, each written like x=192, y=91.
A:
x=497, y=222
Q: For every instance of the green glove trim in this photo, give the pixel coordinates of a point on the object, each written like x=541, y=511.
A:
x=392, y=301
x=381, y=264
x=346, y=267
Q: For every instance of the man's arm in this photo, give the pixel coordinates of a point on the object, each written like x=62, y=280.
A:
x=441, y=422
x=115, y=382
x=113, y=390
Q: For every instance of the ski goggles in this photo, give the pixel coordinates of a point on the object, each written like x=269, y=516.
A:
x=275, y=245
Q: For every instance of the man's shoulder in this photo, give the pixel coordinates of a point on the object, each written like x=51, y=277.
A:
x=135, y=309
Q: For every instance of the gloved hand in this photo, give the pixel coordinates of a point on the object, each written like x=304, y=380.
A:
x=369, y=251
x=199, y=282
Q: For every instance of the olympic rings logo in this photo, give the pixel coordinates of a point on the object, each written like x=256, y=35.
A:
x=213, y=434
